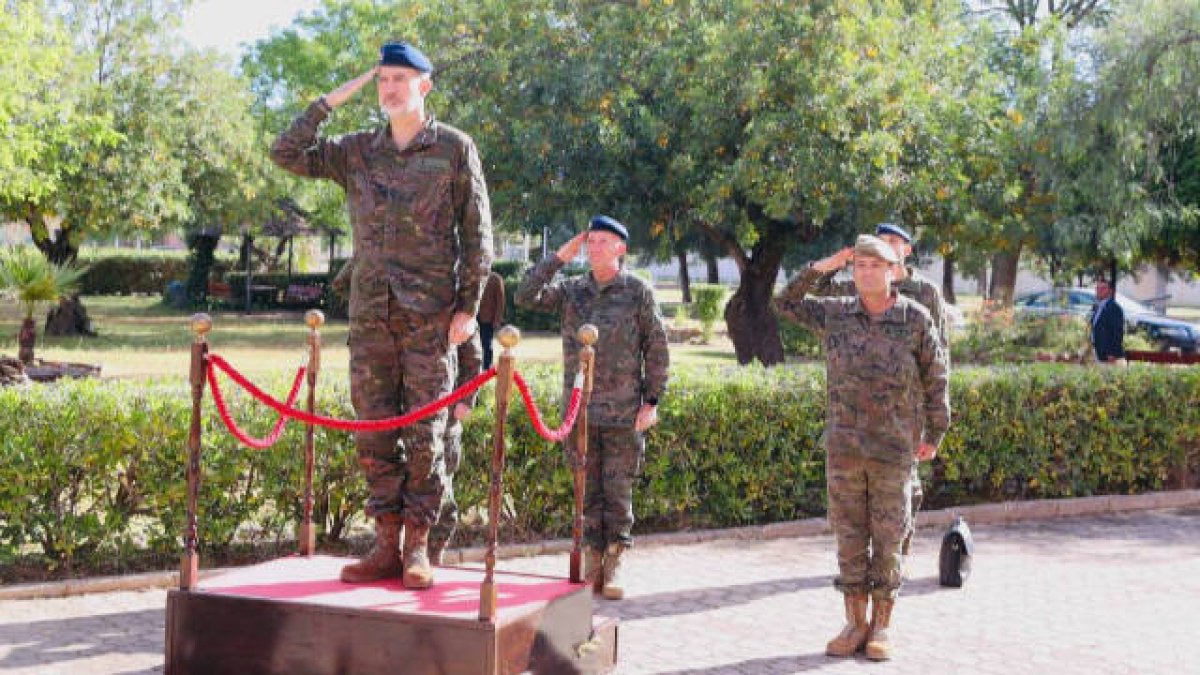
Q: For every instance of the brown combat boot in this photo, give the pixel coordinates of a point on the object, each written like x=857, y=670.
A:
x=879, y=648
x=418, y=573
x=614, y=588
x=593, y=568
x=383, y=560
x=854, y=633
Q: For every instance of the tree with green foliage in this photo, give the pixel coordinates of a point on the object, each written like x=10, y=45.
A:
x=51, y=136
x=154, y=139
x=1018, y=205
x=1140, y=182
x=764, y=129
x=775, y=126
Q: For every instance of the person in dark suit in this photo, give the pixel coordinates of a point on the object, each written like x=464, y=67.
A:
x=1108, y=325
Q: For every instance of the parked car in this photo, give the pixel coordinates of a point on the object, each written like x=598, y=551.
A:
x=1164, y=332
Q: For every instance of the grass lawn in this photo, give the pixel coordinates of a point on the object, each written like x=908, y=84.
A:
x=141, y=339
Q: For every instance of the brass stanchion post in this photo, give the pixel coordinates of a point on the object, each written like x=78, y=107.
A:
x=314, y=318
x=508, y=337
x=588, y=334
x=189, y=565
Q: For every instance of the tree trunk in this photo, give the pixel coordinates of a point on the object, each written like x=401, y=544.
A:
x=948, y=280
x=26, y=340
x=750, y=313
x=57, y=245
x=714, y=272
x=750, y=316
x=1004, y=277
x=685, y=281
x=69, y=318
x=202, y=245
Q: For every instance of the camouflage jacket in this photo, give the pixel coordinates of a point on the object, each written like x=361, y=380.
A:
x=420, y=216
x=631, y=354
x=886, y=377
x=915, y=286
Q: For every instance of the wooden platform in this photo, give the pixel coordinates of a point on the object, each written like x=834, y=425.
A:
x=293, y=615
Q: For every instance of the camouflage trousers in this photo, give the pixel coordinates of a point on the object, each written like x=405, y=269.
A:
x=869, y=511
x=447, y=522
x=398, y=365
x=918, y=496
x=614, y=462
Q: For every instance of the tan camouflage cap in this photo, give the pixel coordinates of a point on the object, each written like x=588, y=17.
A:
x=869, y=244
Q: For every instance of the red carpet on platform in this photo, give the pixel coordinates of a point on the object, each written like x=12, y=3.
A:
x=455, y=592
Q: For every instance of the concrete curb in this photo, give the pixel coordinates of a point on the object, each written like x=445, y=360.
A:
x=981, y=514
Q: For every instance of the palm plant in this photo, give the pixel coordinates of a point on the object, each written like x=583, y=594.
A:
x=30, y=279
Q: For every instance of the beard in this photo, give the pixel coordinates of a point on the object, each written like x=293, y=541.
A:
x=397, y=107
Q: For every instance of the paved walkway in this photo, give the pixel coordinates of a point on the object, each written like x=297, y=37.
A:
x=1106, y=594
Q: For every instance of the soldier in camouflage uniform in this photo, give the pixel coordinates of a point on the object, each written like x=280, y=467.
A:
x=909, y=283
x=422, y=251
x=468, y=363
x=629, y=379
x=886, y=381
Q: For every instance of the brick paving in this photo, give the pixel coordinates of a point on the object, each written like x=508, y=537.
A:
x=1115, y=593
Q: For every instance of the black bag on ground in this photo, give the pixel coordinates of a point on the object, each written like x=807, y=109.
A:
x=954, y=560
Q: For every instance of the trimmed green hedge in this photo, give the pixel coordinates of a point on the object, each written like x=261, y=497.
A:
x=127, y=273
x=94, y=471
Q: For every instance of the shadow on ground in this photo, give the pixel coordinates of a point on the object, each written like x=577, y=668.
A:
x=44, y=643
x=781, y=664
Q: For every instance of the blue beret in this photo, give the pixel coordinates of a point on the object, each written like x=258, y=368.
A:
x=609, y=225
x=892, y=228
x=404, y=54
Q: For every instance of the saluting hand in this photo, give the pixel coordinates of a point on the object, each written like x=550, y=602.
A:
x=836, y=261
x=343, y=93
x=926, y=452
x=569, y=250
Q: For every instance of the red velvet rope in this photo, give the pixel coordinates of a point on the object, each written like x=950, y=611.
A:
x=247, y=440
x=287, y=410
x=555, y=435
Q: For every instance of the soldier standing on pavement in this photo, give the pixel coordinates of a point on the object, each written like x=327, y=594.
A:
x=888, y=407
x=467, y=363
x=629, y=379
x=491, y=313
x=909, y=283
x=422, y=250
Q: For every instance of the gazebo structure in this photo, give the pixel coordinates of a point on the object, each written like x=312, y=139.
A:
x=288, y=222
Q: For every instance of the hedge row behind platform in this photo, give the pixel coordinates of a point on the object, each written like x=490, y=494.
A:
x=93, y=470
x=133, y=272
